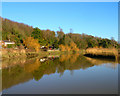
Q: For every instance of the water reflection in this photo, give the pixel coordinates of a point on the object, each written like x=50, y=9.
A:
x=112, y=63
x=19, y=71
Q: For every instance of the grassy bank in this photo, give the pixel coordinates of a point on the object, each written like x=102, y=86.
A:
x=15, y=53
x=22, y=53
x=103, y=52
x=12, y=53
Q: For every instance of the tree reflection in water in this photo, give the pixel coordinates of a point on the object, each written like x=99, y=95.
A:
x=34, y=69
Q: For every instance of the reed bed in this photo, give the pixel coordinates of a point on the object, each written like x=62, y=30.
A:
x=102, y=51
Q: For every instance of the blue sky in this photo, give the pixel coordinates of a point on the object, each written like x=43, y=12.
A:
x=92, y=18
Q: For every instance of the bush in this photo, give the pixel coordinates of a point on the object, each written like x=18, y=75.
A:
x=10, y=46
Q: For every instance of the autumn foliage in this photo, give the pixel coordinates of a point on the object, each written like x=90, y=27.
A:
x=72, y=47
x=62, y=47
x=31, y=43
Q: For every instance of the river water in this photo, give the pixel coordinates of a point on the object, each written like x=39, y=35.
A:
x=64, y=74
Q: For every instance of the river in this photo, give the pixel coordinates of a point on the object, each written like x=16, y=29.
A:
x=64, y=74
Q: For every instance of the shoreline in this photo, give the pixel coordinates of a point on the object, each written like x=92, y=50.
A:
x=6, y=62
x=18, y=53
x=90, y=52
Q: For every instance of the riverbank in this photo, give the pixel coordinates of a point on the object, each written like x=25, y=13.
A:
x=23, y=53
x=102, y=52
x=27, y=53
x=12, y=61
x=13, y=53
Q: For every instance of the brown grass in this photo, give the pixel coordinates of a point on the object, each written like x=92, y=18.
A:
x=102, y=51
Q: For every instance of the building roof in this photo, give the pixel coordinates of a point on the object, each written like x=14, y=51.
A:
x=7, y=41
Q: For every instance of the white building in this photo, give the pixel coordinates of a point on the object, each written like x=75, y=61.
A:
x=6, y=42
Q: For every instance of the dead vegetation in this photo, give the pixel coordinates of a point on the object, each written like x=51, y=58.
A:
x=102, y=52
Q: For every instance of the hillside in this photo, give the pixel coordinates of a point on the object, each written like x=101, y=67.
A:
x=24, y=35
x=15, y=31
